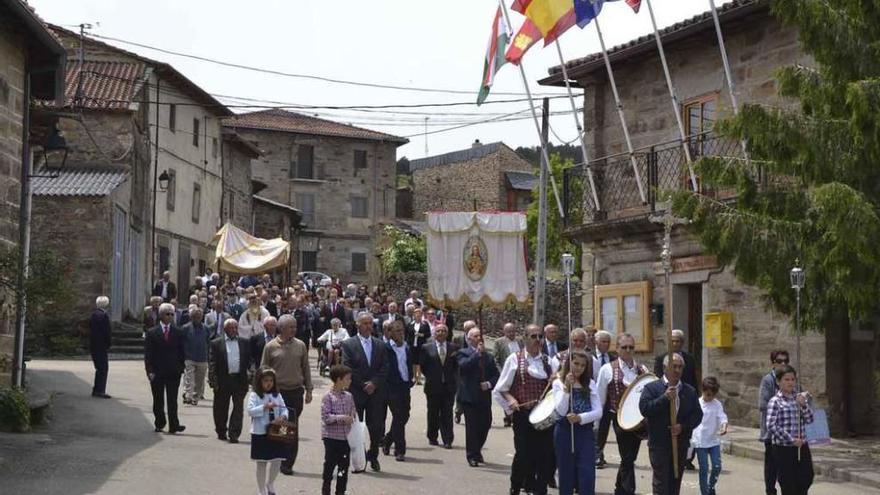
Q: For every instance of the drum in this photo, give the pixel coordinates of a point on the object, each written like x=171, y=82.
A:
x=544, y=415
x=629, y=417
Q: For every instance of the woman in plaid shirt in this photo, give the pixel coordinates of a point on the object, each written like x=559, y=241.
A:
x=337, y=415
x=787, y=413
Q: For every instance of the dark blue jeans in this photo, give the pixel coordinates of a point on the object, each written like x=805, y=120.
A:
x=581, y=463
x=709, y=474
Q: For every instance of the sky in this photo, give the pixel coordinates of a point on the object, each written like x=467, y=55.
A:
x=406, y=43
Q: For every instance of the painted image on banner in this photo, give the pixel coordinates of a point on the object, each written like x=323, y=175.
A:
x=476, y=258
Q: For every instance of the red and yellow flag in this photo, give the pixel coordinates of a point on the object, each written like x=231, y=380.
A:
x=550, y=17
x=527, y=36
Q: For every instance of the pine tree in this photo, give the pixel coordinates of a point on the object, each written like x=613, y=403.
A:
x=820, y=159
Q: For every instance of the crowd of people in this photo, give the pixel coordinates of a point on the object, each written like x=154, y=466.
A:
x=249, y=335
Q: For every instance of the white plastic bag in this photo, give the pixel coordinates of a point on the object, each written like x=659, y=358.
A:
x=357, y=442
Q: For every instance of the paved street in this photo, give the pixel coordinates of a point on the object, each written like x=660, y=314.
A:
x=108, y=447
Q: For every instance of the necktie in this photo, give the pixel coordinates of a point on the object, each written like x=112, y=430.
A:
x=368, y=348
x=165, y=331
x=442, y=351
x=603, y=359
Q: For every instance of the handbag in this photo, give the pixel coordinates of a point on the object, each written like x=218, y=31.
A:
x=283, y=431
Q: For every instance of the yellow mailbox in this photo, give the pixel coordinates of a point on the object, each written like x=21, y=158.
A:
x=719, y=329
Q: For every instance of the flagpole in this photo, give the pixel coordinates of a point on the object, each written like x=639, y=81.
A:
x=577, y=123
x=676, y=108
x=544, y=154
x=727, y=72
x=620, y=114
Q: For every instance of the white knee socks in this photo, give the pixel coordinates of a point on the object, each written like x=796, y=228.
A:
x=261, y=477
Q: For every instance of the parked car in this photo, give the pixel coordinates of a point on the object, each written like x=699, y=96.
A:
x=325, y=279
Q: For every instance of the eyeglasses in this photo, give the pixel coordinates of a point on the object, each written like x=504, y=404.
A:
x=781, y=361
x=536, y=336
x=627, y=347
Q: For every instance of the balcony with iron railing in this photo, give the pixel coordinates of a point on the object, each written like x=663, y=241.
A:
x=662, y=168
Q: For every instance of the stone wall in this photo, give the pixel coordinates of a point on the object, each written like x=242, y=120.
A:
x=12, y=68
x=237, y=185
x=466, y=186
x=399, y=286
x=332, y=232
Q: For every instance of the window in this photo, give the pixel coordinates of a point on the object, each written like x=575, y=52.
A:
x=214, y=147
x=197, y=202
x=624, y=308
x=203, y=267
x=359, y=207
x=306, y=204
x=172, y=117
x=305, y=162
x=699, y=117
x=196, y=125
x=309, y=261
x=164, y=259
x=171, y=193
x=358, y=262
x=360, y=159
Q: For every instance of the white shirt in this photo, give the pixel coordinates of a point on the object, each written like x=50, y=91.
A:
x=333, y=338
x=606, y=374
x=597, y=363
x=535, y=368
x=258, y=413
x=248, y=326
x=561, y=401
x=552, y=349
x=233, y=358
x=400, y=352
x=164, y=290
x=677, y=392
x=706, y=434
x=367, y=344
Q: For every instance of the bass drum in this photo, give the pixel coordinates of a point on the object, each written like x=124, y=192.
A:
x=544, y=415
x=629, y=417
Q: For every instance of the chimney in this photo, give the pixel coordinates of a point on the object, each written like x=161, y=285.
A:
x=476, y=144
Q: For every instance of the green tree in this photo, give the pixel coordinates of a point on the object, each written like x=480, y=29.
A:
x=557, y=243
x=821, y=162
x=406, y=253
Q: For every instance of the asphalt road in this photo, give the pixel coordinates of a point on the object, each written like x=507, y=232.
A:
x=109, y=447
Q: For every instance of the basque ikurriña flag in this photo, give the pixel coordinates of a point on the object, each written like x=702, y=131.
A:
x=494, y=55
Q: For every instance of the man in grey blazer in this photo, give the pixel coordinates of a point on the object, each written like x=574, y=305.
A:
x=509, y=344
x=368, y=359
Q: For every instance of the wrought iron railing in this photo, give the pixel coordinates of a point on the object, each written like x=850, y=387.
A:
x=661, y=167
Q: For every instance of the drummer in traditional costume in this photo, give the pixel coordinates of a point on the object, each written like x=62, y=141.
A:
x=613, y=380
x=578, y=407
x=524, y=379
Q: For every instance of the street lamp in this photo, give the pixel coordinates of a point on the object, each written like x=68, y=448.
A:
x=164, y=179
x=568, y=271
x=797, y=277
x=55, y=152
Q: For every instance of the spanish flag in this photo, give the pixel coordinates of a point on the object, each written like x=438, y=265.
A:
x=550, y=17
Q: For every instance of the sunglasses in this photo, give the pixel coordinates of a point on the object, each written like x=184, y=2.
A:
x=627, y=347
x=536, y=336
x=781, y=361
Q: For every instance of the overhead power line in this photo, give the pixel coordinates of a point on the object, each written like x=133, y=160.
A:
x=302, y=76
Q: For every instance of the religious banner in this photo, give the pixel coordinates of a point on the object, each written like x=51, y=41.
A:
x=477, y=257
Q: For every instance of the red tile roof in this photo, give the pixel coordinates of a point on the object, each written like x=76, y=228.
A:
x=103, y=85
x=285, y=121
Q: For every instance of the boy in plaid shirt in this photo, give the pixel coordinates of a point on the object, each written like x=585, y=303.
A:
x=337, y=415
x=787, y=413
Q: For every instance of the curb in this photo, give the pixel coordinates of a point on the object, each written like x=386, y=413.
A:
x=830, y=472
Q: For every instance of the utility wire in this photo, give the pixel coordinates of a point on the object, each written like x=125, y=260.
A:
x=299, y=76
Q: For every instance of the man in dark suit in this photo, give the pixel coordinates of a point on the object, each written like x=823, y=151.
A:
x=368, y=359
x=163, y=360
x=259, y=341
x=689, y=375
x=552, y=345
x=440, y=367
x=230, y=360
x=400, y=381
x=151, y=314
x=333, y=309
x=601, y=357
x=99, y=344
x=392, y=315
x=654, y=406
x=478, y=375
x=165, y=288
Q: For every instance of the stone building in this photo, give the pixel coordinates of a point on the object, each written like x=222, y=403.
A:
x=31, y=68
x=483, y=177
x=339, y=177
x=238, y=188
x=623, y=282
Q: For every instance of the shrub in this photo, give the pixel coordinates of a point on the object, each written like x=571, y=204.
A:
x=15, y=415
